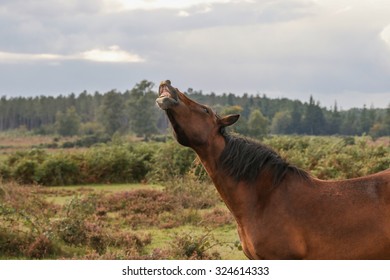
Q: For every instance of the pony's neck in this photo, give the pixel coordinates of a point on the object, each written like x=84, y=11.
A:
x=235, y=194
x=209, y=155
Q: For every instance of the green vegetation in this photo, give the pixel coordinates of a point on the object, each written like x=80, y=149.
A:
x=131, y=199
x=334, y=157
x=112, y=163
x=157, y=162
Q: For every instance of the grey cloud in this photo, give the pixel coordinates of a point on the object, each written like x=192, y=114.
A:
x=51, y=21
x=280, y=47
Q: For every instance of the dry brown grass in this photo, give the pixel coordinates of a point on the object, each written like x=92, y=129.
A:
x=97, y=224
x=13, y=141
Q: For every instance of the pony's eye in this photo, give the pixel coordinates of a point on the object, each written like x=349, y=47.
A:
x=206, y=110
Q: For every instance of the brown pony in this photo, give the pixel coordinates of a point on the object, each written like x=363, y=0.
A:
x=281, y=211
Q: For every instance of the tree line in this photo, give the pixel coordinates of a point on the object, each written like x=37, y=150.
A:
x=134, y=111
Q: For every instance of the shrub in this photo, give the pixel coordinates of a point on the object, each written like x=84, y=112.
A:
x=25, y=228
x=41, y=247
x=23, y=166
x=114, y=164
x=96, y=236
x=25, y=171
x=59, y=170
x=124, y=163
x=5, y=172
x=74, y=227
x=131, y=242
x=72, y=231
x=167, y=163
x=143, y=163
x=189, y=246
x=170, y=160
x=141, y=207
x=192, y=193
x=333, y=157
x=218, y=217
x=36, y=155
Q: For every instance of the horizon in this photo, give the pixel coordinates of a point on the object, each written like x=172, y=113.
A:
x=331, y=106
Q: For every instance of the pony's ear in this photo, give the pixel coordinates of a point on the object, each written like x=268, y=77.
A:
x=228, y=120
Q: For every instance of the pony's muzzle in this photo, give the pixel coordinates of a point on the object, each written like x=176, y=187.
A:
x=167, y=95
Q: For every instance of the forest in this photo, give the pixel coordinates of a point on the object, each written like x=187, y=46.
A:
x=98, y=116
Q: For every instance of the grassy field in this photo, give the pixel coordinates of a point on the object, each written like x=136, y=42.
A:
x=63, y=195
x=113, y=221
x=224, y=236
x=127, y=221
x=180, y=216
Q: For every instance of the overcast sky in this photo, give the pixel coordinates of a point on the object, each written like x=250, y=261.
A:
x=331, y=49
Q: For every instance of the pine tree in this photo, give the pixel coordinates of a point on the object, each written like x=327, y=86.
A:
x=281, y=123
x=257, y=124
x=314, y=121
x=142, y=113
x=68, y=124
x=113, y=114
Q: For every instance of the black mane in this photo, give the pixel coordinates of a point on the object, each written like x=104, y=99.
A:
x=245, y=160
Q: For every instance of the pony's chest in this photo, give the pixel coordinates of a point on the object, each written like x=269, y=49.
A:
x=273, y=244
